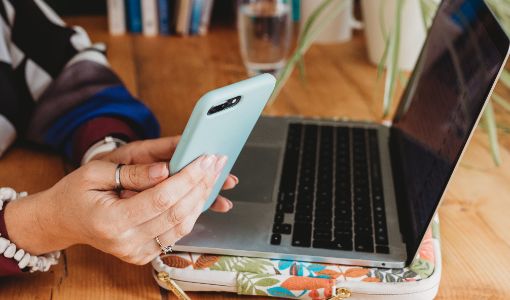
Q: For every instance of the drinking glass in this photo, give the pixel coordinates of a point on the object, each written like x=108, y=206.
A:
x=265, y=30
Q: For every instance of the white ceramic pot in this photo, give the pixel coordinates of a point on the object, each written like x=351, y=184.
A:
x=339, y=29
x=412, y=34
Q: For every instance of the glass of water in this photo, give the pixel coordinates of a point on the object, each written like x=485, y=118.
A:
x=265, y=30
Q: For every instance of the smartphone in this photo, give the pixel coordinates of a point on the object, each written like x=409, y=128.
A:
x=220, y=124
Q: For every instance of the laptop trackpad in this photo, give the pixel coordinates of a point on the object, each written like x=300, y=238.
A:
x=256, y=168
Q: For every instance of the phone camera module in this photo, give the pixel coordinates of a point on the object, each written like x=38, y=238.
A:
x=228, y=103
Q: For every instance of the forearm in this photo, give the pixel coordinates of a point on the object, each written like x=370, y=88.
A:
x=31, y=224
x=69, y=85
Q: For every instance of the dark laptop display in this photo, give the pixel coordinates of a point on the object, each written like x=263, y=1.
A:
x=441, y=104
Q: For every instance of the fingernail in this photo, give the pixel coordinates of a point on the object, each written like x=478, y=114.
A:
x=158, y=170
x=236, y=179
x=220, y=163
x=207, y=162
x=230, y=203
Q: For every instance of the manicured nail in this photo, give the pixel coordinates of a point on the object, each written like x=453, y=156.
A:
x=158, y=170
x=208, y=161
x=220, y=163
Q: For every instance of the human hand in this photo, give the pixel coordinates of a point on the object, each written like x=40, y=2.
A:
x=83, y=209
x=159, y=150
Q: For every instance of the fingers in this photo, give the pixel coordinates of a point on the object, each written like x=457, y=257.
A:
x=189, y=207
x=230, y=183
x=127, y=194
x=100, y=175
x=144, y=152
x=172, y=236
x=153, y=202
x=148, y=151
x=142, y=177
x=222, y=205
x=161, y=149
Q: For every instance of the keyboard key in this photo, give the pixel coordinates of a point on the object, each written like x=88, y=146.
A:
x=323, y=244
x=333, y=245
x=322, y=235
x=382, y=249
x=288, y=208
x=363, y=243
x=304, y=207
x=302, y=235
x=303, y=217
x=276, y=239
x=364, y=248
x=381, y=237
x=278, y=218
x=282, y=228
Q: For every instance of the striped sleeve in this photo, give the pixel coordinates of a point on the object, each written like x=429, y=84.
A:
x=57, y=89
x=57, y=82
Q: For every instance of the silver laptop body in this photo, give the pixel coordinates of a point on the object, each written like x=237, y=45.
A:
x=417, y=156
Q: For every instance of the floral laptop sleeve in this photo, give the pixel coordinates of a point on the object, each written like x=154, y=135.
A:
x=304, y=280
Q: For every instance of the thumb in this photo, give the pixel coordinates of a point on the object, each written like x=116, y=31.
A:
x=142, y=177
x=101, y=175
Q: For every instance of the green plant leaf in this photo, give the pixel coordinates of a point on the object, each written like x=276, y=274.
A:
x=422, y=268
x=502, y=11
x=390, y=277
x=489, y=121
x=505, y=78
x=392, y=70
x=409, y=274
x=428, y=9
x=379, y=275
x=266, y=282
x=501, y=101
x=306, y=37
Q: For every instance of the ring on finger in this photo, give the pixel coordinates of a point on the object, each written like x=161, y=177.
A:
x=118, y=183
x=164, y=249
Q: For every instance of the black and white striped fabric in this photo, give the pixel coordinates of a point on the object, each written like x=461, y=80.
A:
x=35, y=48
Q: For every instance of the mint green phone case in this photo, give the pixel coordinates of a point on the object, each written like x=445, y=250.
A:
x=224, y=132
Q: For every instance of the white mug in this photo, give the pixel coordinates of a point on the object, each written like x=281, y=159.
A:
x=340, y=28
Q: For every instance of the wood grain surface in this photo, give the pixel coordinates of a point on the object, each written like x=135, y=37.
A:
x=170, y=73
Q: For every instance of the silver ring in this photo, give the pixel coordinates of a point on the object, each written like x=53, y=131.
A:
x=118, y=183
x=164, y=249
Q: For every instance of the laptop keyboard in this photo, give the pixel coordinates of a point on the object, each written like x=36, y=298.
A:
x=331, y=183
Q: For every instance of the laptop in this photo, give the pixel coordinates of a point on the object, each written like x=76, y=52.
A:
x=363, y=193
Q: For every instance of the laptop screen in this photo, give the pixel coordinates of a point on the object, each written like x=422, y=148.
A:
x=459, y=63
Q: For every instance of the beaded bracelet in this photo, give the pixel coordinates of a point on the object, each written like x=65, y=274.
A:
x=24, y=259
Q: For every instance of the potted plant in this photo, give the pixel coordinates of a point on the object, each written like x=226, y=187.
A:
x=388, y=55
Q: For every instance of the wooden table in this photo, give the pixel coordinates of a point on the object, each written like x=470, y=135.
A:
x=170, y=73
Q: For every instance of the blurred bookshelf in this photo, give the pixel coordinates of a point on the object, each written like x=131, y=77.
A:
x=222, y=12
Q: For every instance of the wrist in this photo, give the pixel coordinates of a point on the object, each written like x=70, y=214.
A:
x=102, y=148
x=32, y=226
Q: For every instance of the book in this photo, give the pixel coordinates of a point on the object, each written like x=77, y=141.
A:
x=134, y=16
x=173, y=6
x=183, y=17
x=296, y=10
x=116, y=17
x=206, y=17
x=164, y=16
x=149, y=17
x=196, y=16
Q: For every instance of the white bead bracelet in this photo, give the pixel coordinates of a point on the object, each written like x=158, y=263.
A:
x=24, y=259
